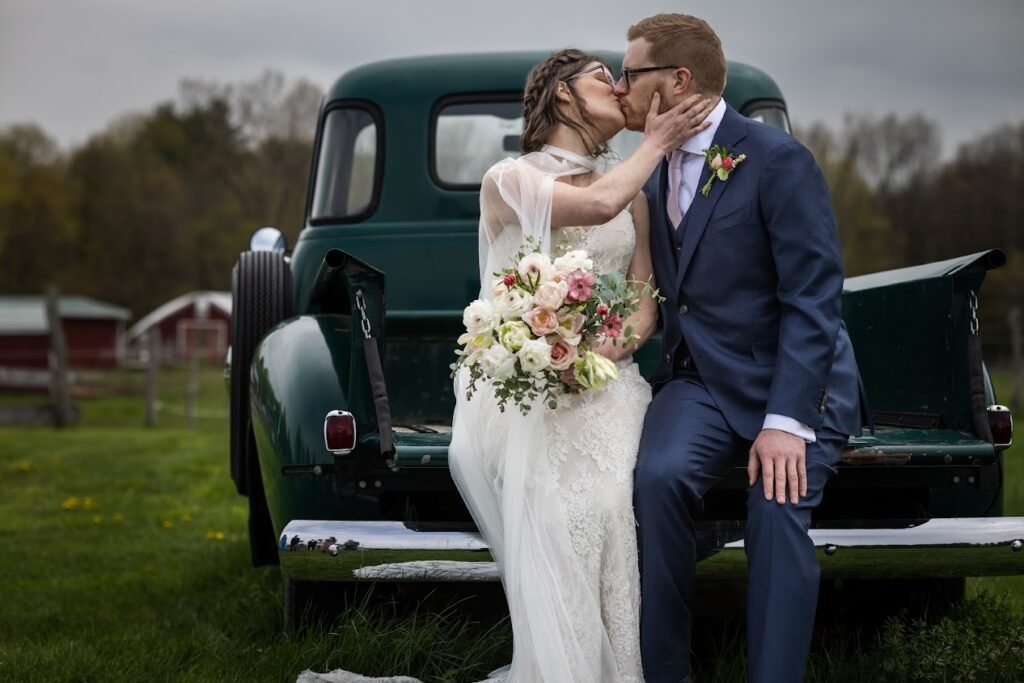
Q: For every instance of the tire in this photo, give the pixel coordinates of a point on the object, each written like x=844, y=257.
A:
x=261, y=297
x=297, y=602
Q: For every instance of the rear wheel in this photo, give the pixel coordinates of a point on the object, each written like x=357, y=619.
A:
x=261, y=295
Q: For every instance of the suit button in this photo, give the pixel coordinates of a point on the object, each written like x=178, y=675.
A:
x=684, y=309
x=668, y=357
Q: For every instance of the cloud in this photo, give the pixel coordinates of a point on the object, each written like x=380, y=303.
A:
x=74, y=66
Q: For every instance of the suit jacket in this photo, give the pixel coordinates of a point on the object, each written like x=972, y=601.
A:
x=752, y=281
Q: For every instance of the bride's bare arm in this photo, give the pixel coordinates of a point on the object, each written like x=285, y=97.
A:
x=603, y=199
x=645, y=320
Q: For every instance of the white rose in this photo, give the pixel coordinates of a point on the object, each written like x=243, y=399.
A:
x=570, y=326
x=480, y=317
x=499, y=288
x=536, y=268
x=573, y=260
x=535, y=355
x=498, y=362
x=551, y=295
x=513, y=304
x=476, y=342
x=513, y=334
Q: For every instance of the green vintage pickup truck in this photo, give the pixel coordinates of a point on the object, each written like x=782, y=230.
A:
x=341, y=400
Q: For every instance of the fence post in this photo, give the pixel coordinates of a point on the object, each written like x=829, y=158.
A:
x=192, y=394
x=60, y=391
x=1017, y=339
x=153, y=346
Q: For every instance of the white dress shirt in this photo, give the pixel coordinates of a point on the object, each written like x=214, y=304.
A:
x=693, y=160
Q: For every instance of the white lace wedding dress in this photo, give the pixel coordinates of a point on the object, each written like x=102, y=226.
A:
x=552, y=491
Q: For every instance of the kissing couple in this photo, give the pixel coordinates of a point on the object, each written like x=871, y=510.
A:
x=588, y=507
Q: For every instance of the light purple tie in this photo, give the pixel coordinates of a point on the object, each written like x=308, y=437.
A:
x=675, y=181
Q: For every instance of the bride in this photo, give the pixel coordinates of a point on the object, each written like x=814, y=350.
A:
x=551, y=491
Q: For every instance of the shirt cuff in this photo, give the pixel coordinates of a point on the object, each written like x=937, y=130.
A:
x=789, y=425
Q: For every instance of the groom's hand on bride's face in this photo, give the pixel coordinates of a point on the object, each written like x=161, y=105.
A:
x=781, y=458
x=679, y=123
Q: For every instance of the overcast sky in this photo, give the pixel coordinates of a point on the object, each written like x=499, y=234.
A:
x=74, y=65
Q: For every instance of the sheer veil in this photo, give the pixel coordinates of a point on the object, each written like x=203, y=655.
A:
x=501, y=464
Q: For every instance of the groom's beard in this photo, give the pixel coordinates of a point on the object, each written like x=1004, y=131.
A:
x=634, y=120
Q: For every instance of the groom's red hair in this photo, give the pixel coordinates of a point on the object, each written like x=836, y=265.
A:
x=684, y=40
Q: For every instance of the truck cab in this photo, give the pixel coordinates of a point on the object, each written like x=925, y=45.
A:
x=341, y=399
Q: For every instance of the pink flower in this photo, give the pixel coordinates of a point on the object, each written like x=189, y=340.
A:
x=613, y=326
x=727, y=163
x=563, y=354
x=510, y=280
x=580, y=283
x=717, y=162
x=551, y=295
x=542, y=321
x=602, y=309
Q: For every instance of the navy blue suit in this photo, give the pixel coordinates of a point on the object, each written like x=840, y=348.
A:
x=752, y=280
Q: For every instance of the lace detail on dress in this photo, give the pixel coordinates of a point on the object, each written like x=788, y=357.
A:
x=592, y=447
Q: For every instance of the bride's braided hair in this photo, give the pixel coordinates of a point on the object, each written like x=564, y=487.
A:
x=540, y=106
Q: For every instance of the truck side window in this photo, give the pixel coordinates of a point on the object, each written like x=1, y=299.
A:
x=346, y=165
x=470, y=137
x=773, y=115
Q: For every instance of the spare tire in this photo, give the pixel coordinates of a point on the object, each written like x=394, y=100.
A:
x=261, y=297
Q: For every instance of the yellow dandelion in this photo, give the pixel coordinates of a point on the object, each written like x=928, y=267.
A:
x=97, y=519
x=25, y=466
x=215, y=535
x=117, y=517
x=71, y=503
x=168, y=524
x=89, y=504
x=186, y=518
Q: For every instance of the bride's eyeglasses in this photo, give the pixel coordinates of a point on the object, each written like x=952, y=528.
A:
x=606, y=74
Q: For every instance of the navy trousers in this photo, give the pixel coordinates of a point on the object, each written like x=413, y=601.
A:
x=686, y=447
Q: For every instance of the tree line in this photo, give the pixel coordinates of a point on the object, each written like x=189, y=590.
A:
x=161, y=202
x=897, y=203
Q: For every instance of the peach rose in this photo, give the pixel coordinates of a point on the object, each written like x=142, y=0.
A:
x=542, y=321
x=563, y=354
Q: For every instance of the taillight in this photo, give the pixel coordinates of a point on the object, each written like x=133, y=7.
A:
x=1000, y=420
x=340, y=432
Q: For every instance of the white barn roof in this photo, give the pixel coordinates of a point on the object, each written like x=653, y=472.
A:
x=203, y=301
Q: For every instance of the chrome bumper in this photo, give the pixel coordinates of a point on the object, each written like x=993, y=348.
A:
x=389, y=551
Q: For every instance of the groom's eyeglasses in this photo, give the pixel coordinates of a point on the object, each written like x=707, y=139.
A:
x=606, y=74
x=628, y=74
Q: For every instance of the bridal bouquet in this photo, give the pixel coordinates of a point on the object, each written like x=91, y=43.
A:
x=539, y=329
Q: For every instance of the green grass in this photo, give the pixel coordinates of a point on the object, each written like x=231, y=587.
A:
x=124, y=557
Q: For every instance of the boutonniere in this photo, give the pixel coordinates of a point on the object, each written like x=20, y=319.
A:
x=721, y=163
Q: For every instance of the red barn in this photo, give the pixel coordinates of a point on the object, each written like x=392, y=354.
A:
x=194, y=324
x=93, y=330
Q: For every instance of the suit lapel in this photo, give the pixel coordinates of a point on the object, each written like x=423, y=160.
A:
x=732, y=129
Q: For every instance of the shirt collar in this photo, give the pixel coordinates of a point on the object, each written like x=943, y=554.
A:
x=703, y=140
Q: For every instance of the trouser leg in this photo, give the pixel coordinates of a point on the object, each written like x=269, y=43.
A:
x=782, y=589
x=686, y=446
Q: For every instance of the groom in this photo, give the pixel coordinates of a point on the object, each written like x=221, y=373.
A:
x=756, y=363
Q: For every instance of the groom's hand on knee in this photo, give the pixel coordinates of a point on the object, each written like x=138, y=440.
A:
x=781, y=458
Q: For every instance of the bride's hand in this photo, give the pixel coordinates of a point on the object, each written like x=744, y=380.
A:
x=613, y=351
x=680, y=123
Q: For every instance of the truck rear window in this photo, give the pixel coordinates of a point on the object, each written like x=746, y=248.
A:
x=347, y=164
x=470, y=137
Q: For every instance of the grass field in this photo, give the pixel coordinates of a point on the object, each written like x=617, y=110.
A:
x=124, y=558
